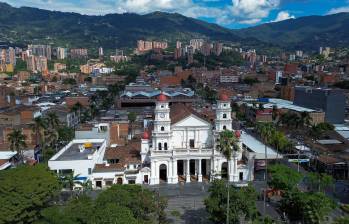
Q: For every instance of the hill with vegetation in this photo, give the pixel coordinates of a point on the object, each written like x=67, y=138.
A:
x=26, y=25
x=307, y=33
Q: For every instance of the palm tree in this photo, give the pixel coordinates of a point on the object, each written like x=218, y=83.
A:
x=38, y=126
x=279, y=141
x=17, y=142
x=86, y=186
x=69, y=180
x=305, y=119
x=77, y=108
x=228, y=145
x=52, y=120
x=52, y=131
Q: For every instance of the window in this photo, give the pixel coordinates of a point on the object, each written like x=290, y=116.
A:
x=159, y=147
x=165, y=145
x=224, y=115
x=99, y=184
x=225, y=105
x=162, y=128
x=162, y=106
x=241, y=176
x=191, y=143
x=108, y=183
x=146, y=179
x=132, y=182
x=89, y=171
x=224, y=127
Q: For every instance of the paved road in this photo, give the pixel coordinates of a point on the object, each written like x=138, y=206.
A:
x=185, y=202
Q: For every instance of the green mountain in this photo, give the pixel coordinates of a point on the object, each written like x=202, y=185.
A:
x=27, y=25
x=308, y=33
x=31, y=25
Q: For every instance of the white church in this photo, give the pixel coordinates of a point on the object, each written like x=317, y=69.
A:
x=182, y=146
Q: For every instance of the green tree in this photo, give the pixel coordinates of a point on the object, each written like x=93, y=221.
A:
x=244, y=203
x=342, y=220
x=305, y=119
x=65, y=134
x=69, y=81
x=279, y=141
x=112, y=213
x=307, y=207
x=38, y=126
x=228, y=144
x=25, y=191
x=139, y=200
x=319, y=181
x=17, y=142
x=83, y=210
x=283, y=177
x=78, y=108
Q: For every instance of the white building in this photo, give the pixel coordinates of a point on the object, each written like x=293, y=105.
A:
x=79, y=157
x=180, y=148
x=183, y=146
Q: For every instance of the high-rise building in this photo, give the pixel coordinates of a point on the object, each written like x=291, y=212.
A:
x=78, y=53
x=217, y=48
x=149, y=45
x=62, y=53
x=177, y=53
x=178, y=44
x=196, y=43
x=8, y=56
x=41, y=50
x=37, y=63
x=190, y=54
x=331, y=101
x=292, y=57
x=100, y=52
x=299, y=54
x=206, y=49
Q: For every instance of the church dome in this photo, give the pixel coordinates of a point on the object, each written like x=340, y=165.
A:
x=237, y=134
x=223, y=97
x=145, y=135
x=162, y=97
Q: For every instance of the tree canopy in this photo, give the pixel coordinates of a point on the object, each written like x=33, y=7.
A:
x=124, y=204
x=306, y=207
x=24, y=192
x=283, y=178
x=243, y=203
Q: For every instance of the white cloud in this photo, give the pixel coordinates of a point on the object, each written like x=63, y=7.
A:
x=283, y=15
x=253, y=10
x=238, y=11
x=338, y=10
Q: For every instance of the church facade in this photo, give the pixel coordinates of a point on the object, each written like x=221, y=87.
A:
x=182, y=146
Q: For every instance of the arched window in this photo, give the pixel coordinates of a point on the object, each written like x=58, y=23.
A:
x=165, y=145
x=160, y=148
x=224, y=115
x=224, y=127
x=162, y=128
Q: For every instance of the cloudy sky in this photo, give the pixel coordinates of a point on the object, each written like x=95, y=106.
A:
x=229, y=13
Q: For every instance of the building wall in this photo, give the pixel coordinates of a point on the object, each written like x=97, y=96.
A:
x=331, y=101
x=191, y=128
